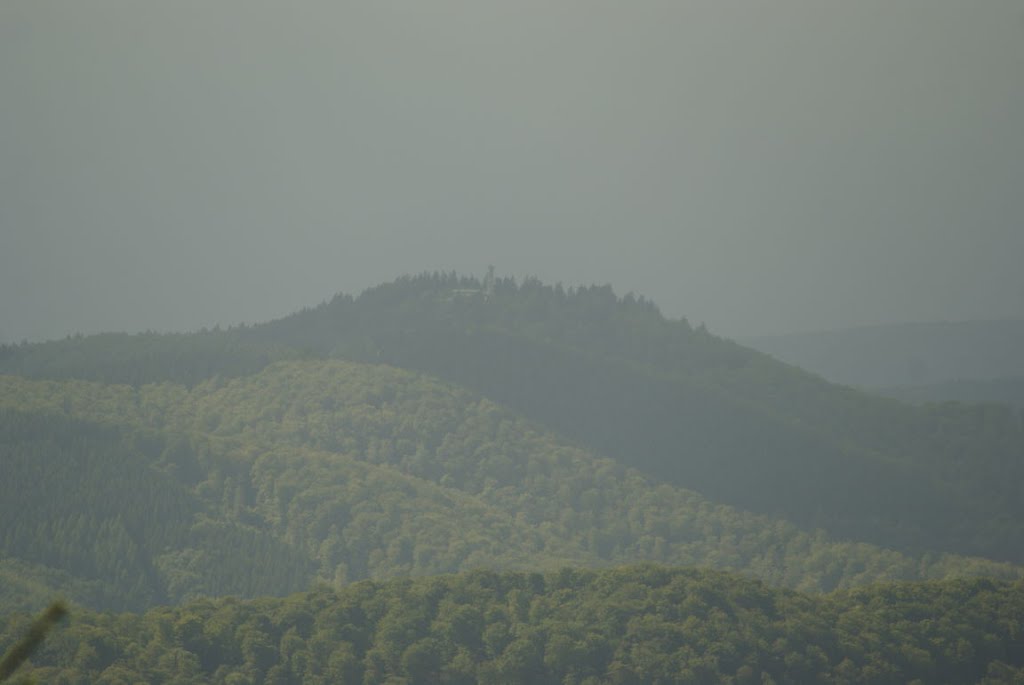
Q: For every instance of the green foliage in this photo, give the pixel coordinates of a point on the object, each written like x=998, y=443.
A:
x=334, y=472
x=612, y=374
x=573, y=429
x=33, y=638
x=645, y=624
x=95, y=512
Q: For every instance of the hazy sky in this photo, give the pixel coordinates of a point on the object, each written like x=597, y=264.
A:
x=760, y=166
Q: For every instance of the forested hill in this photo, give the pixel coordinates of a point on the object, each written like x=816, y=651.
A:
x=439, y=425
x=625, y=626
x=330, y=471
x=615, y=376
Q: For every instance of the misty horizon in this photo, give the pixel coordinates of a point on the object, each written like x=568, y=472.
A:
x=762, y=170
x=513, y=342
x=746, y=339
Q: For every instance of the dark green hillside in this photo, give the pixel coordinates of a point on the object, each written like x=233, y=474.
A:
x=630, y=625
x=112, y=519
x=679, y=404
x=29, y=587
x=75, y=496
x=185, y=358
x=332, y=471
x=696, y=410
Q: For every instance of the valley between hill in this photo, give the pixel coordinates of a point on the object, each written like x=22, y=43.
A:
x=441, y=425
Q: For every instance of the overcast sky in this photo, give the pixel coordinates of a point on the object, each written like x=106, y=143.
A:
x=763, y=167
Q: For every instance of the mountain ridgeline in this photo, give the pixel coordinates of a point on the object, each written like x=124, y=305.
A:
x=616, y=377
x=331, y=471
x=513, y=435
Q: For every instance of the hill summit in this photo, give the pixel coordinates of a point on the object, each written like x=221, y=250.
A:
x=612, y=375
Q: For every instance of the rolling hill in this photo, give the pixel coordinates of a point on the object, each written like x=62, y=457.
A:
x=332, y=471
x=512, y=434
x=615, y=377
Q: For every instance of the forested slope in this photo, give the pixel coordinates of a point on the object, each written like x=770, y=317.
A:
x=332, y=471
x=112, y=518
x=695, y=410
x=614, y=376
x=632, y=625
x=439, y=425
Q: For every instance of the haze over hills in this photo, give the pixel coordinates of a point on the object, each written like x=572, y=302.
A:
x=906, y=355
x=449, y=480
x=970, y=361
x=333, y=471
x=763, y=169
x=613, y=375
x=1008, y=391
x=440, y=424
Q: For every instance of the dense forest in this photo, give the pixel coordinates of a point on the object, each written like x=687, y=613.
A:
x=447, y=425
x=616, y=377
x=333, y=471
x=643, y=624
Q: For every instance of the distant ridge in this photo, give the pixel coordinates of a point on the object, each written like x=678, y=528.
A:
x=611, y=374
x=908, y=354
